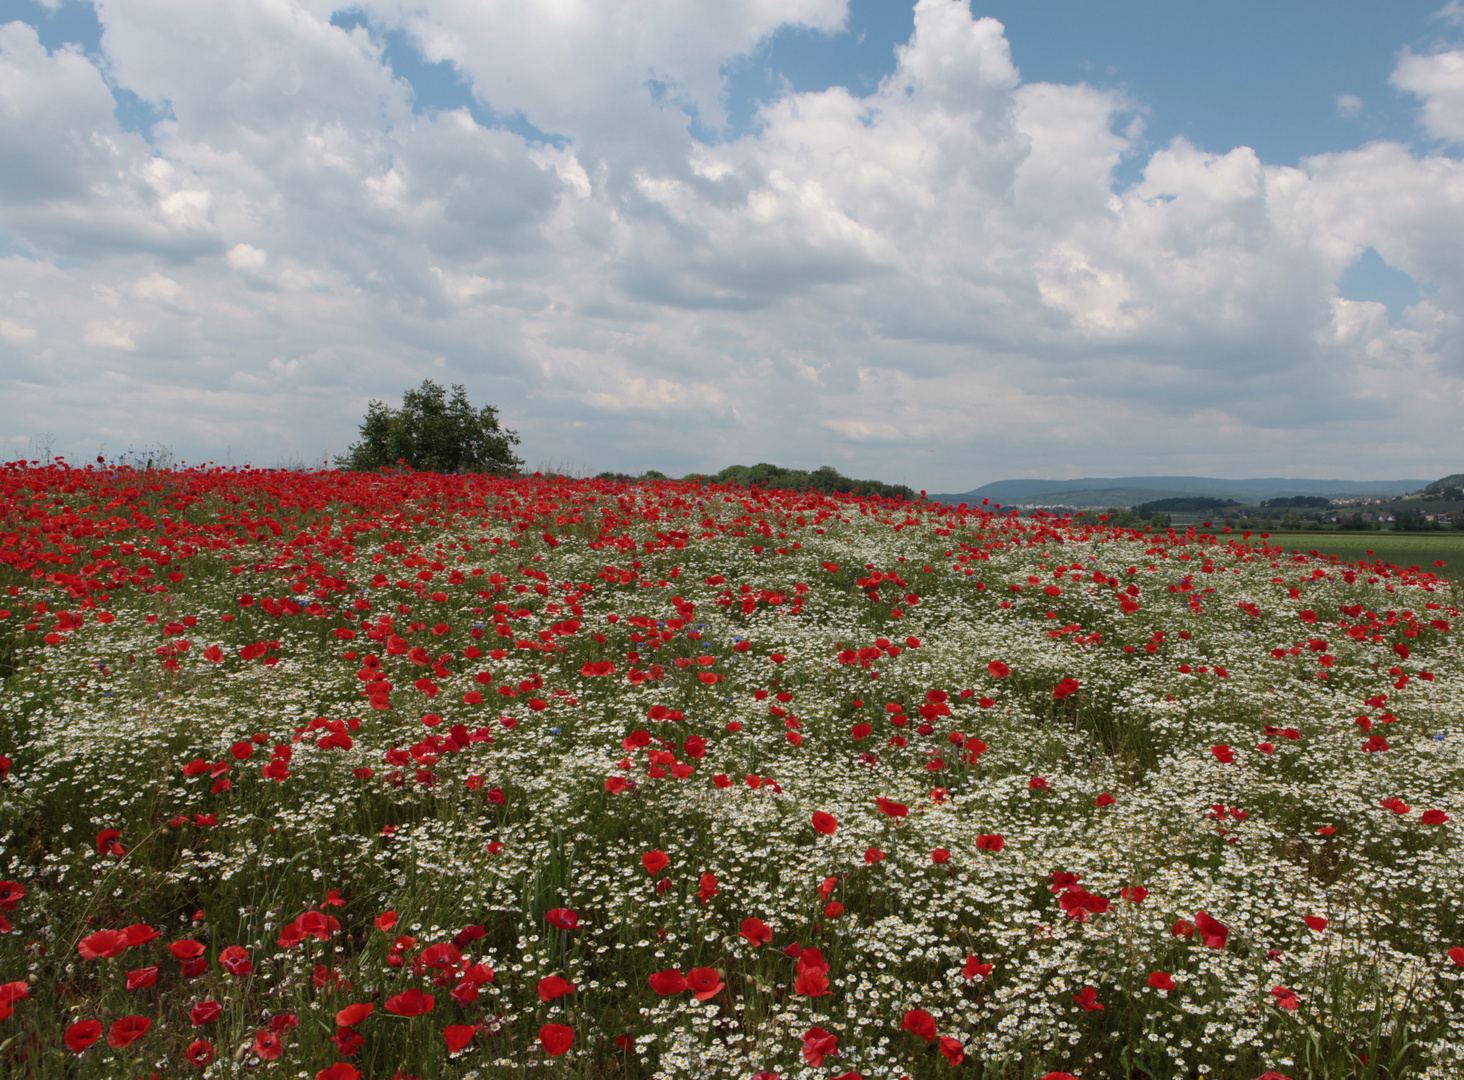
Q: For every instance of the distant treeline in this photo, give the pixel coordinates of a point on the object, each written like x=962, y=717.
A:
x=1187, y=505
x=1298, y=502
x=826, y=479
x=1122, y=517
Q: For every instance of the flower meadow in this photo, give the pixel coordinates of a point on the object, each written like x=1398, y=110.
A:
x=336, y=775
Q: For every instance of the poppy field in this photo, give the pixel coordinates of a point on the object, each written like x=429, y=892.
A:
x=339, y=775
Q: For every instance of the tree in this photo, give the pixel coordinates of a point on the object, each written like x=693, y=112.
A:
x=432, y=433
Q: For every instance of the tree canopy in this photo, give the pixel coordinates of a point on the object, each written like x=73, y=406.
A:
x=433, y=433
x=825, y=478
x=1185, y=504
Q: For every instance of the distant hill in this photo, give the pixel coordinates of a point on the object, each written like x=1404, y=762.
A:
x=1132, y=490
x=1188, y=505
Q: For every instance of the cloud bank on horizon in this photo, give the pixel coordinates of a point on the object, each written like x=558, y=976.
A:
x=229, y=225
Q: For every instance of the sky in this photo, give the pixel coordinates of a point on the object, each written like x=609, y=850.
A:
x=940, y=243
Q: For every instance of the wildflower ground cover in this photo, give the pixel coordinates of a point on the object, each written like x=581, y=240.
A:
x=336, y=775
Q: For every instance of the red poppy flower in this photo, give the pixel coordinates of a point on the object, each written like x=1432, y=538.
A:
x=920, y=1023
x=103, y=945
x=187, y=949
x=127, y=1031
x=808, y=959
x=445, y=956
x=1135, y=894
x=1434, y=817
x=199, y=1053
x=1456, y=954
x=819, y=1044
x=1059, y=880
x=82, y=1034
x=655, y=862
x=205, y=1012
x=756, y=932
x=555, y=1039
x=1285, y=998
x=825, y=824
x=268, y=1046
x=975, y=968
x=990, y=842
x=1160, y=980
x=668, y=982
x=139, y=934
x=873, y=855
x=1223, y=754
x=705, y=982
x=552, y=987
x=142, y=977
x=998, y=670
x=1081, y=904
x=564, y=918
x=1106, y=800
x=410, y=1003
x=952, y=1049
x=1212, y=932
x=940, y=856
x=235, y=960
x=1037, y=783
x=12, y=992
x=347, y=1041
x=458, y=1036
x=341, y=1070
x=352, y=1015
x=107, y=843
x=812, y=982
x=1316, y=922
x=892, y=808
x=11, y=894
x=386, y=920
x=1088, y=999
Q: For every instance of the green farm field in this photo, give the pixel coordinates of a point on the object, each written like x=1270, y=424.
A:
x=1399, y=549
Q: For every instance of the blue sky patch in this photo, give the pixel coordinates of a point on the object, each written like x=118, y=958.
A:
x=437, y=87
x=1370, y=278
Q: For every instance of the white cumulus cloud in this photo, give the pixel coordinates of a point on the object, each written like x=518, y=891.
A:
x=1438, y=80
x=939, y=282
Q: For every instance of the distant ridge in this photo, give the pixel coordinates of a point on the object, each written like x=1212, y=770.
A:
x=1128, y=490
